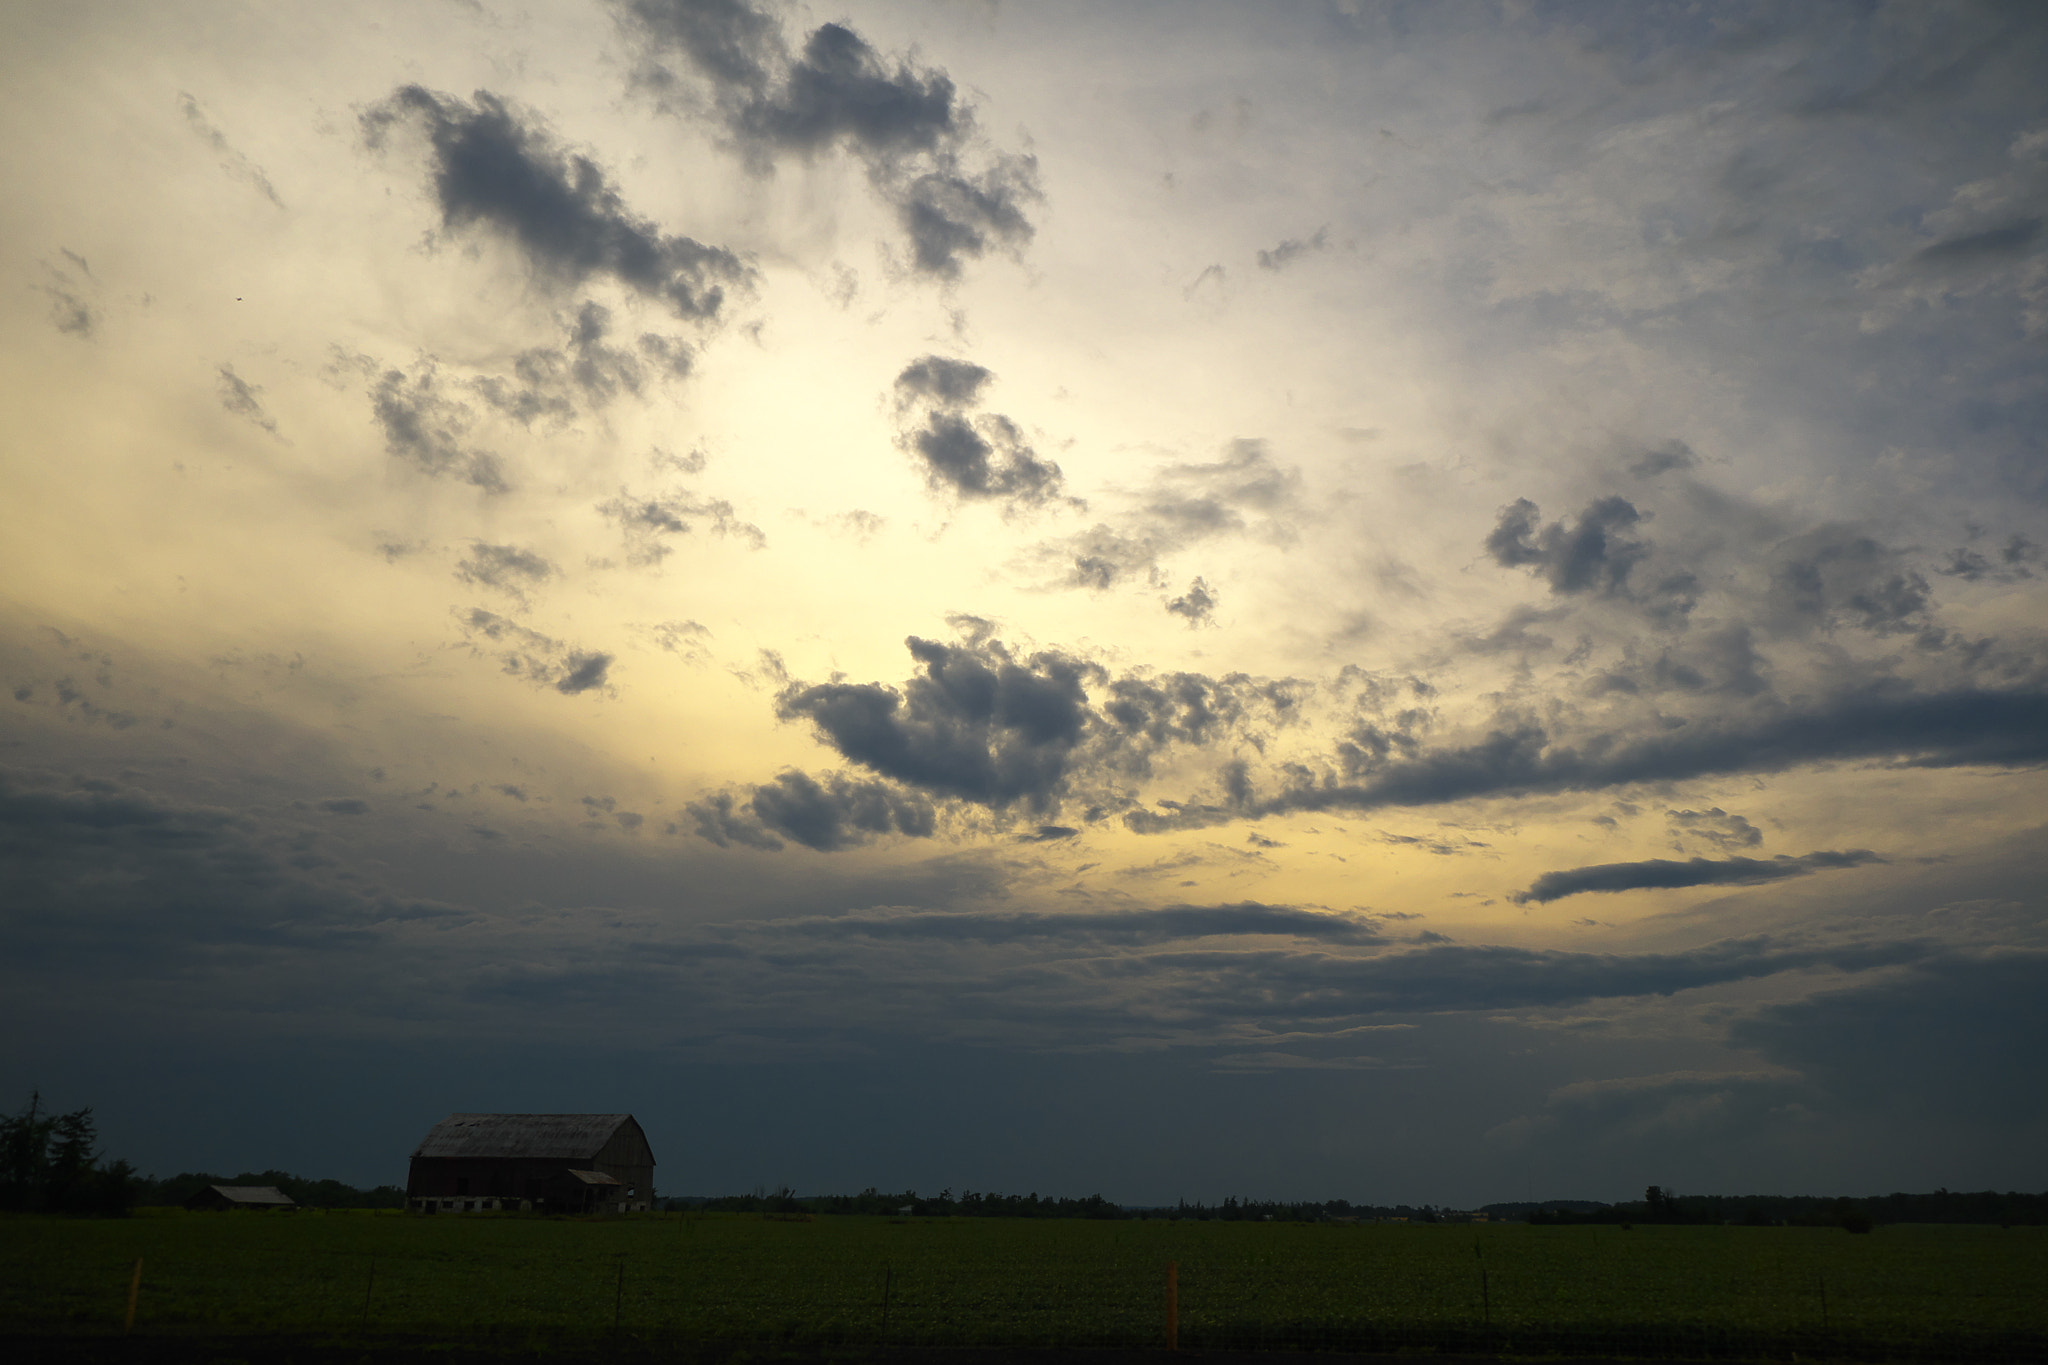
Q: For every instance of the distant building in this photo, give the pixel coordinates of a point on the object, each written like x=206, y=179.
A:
x=550, y=1163
x=240, y=1197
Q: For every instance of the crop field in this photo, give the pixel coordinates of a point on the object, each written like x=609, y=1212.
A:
x=1904, y=1292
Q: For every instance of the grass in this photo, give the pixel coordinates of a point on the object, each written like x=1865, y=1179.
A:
x=1906, y=1291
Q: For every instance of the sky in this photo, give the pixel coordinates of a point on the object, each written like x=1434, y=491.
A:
x=1403, y=602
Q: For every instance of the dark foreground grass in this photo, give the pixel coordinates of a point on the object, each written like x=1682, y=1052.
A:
x=525, y=1286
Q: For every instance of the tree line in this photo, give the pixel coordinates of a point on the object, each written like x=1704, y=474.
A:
x=988, y=1204
x=1661, y=1204
x=48, y=1165
x=305, y=1192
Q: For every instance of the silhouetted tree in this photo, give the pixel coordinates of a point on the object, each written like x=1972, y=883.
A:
x=48, y=1163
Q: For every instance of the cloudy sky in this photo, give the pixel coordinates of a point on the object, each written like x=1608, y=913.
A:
x=1392, y=601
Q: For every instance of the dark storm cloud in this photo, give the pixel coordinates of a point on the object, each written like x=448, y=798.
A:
x=583, y=671
x=906, y=124
x=983, y=458
x=984, y=724
x=551, y=382
x=492, y=168
x=1595, y=554
x=425, y=428
x=978, y=456
x=723, y=819
x=1141, y=715
x=943, y=382
x=508, y=568
x=728, y=40
x=239, y=396
x=977, y=723
x=1663, y=874
x=534, y=657
x=1958, y=1035
x=840, y=811
x=1519, y=757
x=1196, y=605
x=839, y=89
x=836, y=813
x=953, y=216
x=1133, y=927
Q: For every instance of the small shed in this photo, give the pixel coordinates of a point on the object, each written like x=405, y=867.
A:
x=549, y=1163
x=240, y=1197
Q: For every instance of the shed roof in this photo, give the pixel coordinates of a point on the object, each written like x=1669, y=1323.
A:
x=545, y=1136
x=253, y=1194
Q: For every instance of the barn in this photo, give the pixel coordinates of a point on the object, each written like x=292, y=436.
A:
x=548, y=1163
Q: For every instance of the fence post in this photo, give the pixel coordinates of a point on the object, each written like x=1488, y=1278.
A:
x=134, y=1290
x=1173, y=1305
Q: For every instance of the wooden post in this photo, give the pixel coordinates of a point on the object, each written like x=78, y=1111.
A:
x=1173, y=1305
x=134, y=1291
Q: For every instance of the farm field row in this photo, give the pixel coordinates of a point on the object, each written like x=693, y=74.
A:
x=1927, y=1291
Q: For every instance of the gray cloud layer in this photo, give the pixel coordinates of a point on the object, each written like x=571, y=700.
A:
x=494, y=169
x=1666, y=874
x=977, y=456
x=906, y=124
x=1522, y=757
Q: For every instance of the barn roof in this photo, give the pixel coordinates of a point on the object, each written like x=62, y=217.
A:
x=544, y=1136
x=253, y=1194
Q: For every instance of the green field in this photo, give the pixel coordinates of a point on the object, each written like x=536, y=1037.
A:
x=1904, y=1292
